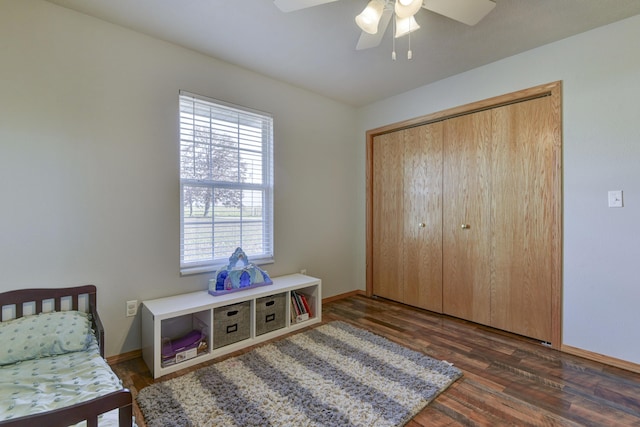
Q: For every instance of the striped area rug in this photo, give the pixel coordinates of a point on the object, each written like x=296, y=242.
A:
x=332, y=375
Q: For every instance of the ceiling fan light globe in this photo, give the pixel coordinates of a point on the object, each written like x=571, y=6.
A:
x=369, y=18
x=407, y=8
x=405, y=26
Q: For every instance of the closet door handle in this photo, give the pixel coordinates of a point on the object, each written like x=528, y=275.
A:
x=465, y=226
x=422, y=225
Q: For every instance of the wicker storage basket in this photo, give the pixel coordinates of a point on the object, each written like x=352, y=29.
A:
x=231, y=324
x=271, y=313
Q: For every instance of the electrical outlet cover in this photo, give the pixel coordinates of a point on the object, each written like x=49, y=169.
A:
x=132, y=308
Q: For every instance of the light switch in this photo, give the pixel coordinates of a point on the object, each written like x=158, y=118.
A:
x=615, y=198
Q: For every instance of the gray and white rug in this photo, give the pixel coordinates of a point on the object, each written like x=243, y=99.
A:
x=332, y=375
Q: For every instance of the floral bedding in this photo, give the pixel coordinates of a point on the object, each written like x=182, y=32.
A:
x=44, y=383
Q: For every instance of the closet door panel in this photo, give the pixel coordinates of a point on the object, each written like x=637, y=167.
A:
x=466, y=217
x=388, y=183
x=523, y=217
x=423, y=216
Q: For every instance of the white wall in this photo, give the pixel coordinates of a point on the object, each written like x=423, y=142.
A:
x=89, y=163
x=600, y=71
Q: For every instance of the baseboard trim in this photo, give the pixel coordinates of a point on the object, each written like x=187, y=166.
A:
x=119, y=358
x=342, y=296
x=597, y=357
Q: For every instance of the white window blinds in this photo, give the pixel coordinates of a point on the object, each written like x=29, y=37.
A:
x=226, y=183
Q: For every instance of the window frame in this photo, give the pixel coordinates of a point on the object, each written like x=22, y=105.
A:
x=266, y=186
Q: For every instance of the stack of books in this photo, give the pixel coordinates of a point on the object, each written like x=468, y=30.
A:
x=300, y=308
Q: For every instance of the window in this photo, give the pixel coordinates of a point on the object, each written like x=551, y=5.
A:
x=226, y=183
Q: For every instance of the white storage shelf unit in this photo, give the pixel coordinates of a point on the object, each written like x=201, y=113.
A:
x=174, y=316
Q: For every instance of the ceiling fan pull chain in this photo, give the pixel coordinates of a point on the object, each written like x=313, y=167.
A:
x=393, y=39
x=409, y=52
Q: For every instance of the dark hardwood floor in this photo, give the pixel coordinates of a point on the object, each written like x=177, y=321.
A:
x=508, y=380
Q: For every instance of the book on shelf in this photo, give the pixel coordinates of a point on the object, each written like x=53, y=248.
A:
x=300, y=304
x=303, y=297
x=294, y=306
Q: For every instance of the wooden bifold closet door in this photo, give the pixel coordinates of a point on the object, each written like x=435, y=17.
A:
x=465, y=214
x=523, y=214
x=498, y=217
x=467, y=217
x=407, y=187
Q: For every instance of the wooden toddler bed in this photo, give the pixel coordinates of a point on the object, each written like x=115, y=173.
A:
x=69, y=381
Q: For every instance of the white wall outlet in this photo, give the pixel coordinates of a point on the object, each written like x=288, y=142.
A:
x=132, y=308
x=615, y=198
x=303, y=271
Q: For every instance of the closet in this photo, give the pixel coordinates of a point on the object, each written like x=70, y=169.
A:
x=463, y=212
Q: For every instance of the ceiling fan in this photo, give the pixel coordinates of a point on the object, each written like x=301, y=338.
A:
x=375, y=18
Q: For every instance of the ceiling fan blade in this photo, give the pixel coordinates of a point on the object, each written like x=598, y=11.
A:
x=468, y=12
x=367, y=41
x=291, y=5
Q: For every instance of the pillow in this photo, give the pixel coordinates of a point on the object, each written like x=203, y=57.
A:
x=46, y=334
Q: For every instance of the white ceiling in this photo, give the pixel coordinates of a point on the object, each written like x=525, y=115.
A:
x=315, y=48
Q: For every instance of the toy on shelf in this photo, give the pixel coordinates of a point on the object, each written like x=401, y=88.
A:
x=232, y=278
x=183, y=348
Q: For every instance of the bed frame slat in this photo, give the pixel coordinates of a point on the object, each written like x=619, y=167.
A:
x=19, y=297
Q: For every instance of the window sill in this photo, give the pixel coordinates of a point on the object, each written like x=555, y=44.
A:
x=210, y=268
